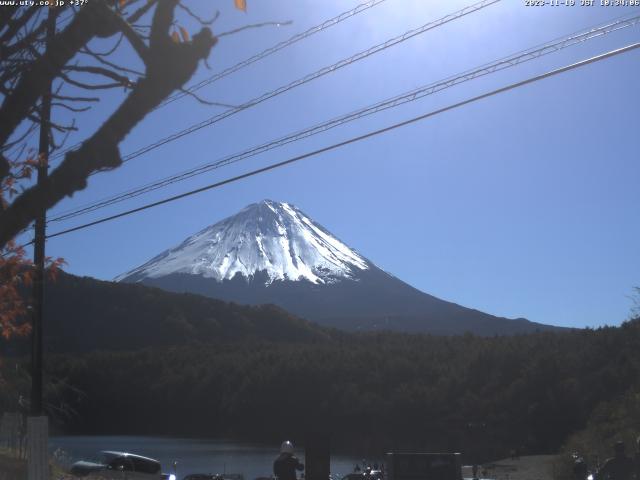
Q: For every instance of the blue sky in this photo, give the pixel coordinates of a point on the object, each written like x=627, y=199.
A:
x=521, y=205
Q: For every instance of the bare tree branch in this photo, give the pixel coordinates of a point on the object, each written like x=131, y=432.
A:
x=108, y=52
x=124, y=81
x=37, y=120
x=169, y=66
x=86, y=24
x=104, y=61
x=206, y=102
x=20, y=139
x=12, y=49
x=74, y=99
x=90, y=86
x=17, y=24
x=69, y=107
x=254, y=25
x=56, y=145
x=134, y=39
x=135, y=16
x=196, y=17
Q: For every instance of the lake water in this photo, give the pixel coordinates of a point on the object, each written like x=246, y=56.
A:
x=193, y=455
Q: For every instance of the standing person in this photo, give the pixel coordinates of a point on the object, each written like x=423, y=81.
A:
x=285, y=466
x=580, y=468
x=618, y=467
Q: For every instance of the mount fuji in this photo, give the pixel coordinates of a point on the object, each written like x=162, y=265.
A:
x=272, y=252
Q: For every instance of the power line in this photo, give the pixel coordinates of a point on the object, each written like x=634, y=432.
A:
x=259, y=56
x=313, y=76
x=310, y=77
x=355, y=139
x=234, y=68
x=275, y=48
x=413, y=95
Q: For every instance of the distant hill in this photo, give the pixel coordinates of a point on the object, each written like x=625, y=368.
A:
x=272, y=252
x=84, y=314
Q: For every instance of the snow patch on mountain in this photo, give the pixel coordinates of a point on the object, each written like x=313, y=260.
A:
x=272, y=237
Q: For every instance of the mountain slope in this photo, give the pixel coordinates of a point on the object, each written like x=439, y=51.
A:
x=83, y=314
x=273, y=253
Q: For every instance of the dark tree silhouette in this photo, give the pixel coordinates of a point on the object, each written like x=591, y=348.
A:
x=58, y=54
x=169, y=61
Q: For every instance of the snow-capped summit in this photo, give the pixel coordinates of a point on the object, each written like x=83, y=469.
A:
x=271, y=252
x=271, y=237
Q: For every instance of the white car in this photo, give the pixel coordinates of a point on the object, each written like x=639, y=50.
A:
x=121, y=466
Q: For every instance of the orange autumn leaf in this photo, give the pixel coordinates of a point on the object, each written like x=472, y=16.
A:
x=241, y=5
x=53, y=267
x=175, y=37
x=184, y=34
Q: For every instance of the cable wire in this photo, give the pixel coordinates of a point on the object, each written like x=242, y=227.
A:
x=356, y=139
x=275, y=48
x=259, y=56
x=307, y=78
x=413, y=95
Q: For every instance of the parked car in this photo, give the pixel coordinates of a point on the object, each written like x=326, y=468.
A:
x=121, y=466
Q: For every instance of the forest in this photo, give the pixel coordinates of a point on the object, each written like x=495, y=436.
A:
x=257, y=373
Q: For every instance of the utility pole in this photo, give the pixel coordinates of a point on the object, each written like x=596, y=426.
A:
x=37, y=424
x=39, y=240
